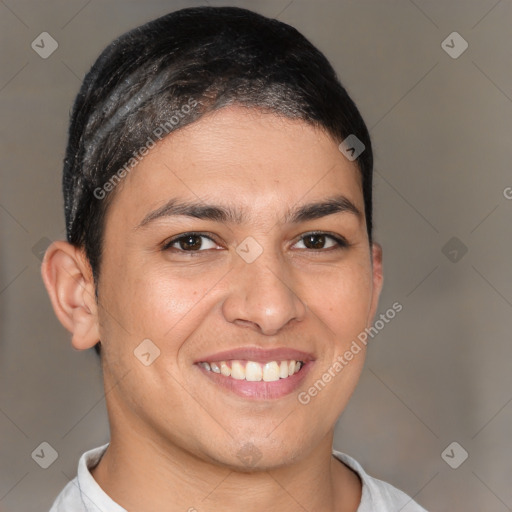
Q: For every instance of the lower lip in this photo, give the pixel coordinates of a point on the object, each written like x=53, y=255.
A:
x=260, y=390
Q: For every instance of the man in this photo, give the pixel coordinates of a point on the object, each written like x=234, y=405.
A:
x=219, y=257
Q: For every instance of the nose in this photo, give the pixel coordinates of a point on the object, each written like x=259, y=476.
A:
x=262, y=296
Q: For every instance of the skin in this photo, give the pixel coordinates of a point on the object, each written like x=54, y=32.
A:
x=175, y=435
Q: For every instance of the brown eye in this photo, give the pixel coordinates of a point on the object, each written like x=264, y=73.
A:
x=314, y=241
x=190, y=242
x=321, y=241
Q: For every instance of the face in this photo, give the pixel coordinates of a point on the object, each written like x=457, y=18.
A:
x=237, y=245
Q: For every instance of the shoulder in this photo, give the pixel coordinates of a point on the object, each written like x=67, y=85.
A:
x=377, y=495
x=68, y=499
x=83, y=494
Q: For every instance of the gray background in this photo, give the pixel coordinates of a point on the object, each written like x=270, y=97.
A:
x=438, y=373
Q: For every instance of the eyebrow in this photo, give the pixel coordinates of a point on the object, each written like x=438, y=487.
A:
x=217, y=213
x=312, y=211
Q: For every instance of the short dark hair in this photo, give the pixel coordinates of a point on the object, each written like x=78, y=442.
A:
x=205, y=58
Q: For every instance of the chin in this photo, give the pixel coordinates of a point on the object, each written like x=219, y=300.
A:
x=258, y=455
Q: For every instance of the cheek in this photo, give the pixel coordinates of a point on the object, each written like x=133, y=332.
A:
x=341, y=298
x=159, y=303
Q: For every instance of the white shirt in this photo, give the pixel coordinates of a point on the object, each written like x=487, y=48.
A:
x=83, y=494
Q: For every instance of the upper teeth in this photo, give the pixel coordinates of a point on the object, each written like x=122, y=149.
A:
x=252, y=371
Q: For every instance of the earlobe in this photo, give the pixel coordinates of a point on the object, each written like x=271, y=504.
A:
x=68, y=279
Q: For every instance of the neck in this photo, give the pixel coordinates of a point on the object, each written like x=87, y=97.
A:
x=144, y=471
x=145, y=475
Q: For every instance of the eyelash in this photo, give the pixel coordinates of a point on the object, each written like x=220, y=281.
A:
x=341, y=242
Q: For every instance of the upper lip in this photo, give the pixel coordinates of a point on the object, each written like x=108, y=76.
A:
x=259, y=355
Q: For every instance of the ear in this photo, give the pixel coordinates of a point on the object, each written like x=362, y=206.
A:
x=67, y=276
x=378, y=279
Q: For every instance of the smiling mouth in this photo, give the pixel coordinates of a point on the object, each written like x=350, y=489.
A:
x=253, y=371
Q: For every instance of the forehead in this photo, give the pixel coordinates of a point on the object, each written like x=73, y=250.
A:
x=257, y=160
